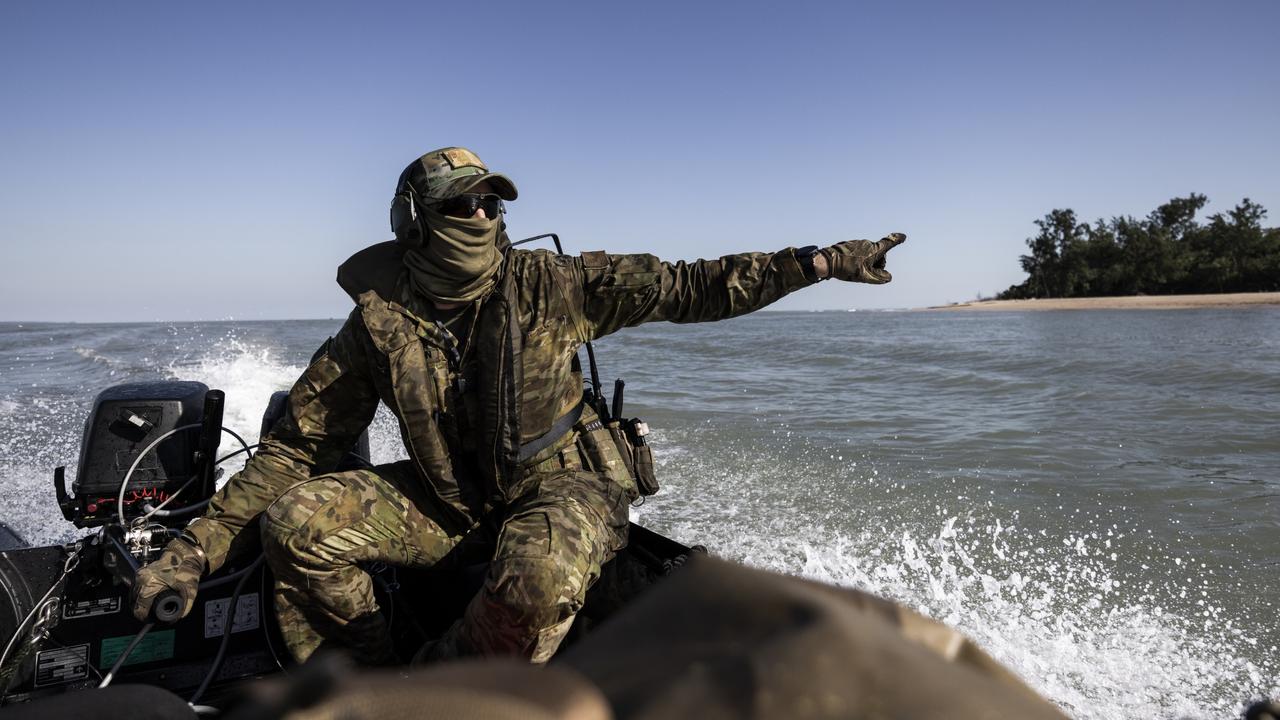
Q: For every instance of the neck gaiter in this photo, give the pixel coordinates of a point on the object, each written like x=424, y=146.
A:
x=456, y=260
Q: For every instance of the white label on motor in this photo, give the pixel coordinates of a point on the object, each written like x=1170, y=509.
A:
x=61, y=665
x=90, y=608
x=215, y=615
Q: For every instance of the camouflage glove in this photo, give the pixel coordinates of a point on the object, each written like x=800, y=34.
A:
x=178, y=569
x=861, y=260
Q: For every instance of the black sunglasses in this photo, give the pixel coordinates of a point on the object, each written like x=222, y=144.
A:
x=466, y=204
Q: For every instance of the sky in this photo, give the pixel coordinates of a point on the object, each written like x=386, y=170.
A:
x=181, y=161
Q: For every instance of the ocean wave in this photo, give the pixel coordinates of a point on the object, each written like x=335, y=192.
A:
x=1067, y=608
x=247, y=372
x=1091, y=513
x=91, y=354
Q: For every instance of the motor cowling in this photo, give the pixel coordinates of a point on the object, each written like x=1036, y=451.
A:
x=124, y=421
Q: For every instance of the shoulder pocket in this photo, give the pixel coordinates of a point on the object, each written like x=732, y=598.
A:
x=621, y=272
x=323, y=372
x=305, y=410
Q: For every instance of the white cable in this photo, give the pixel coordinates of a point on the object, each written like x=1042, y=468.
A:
x=153, y=510
x=124, y=484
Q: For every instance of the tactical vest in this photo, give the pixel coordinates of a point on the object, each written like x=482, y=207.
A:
x=413, y=371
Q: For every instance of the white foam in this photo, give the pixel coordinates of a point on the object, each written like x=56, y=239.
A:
x=91, y=354
x=1055, y=609
x=1060, y=622
x=247, y=373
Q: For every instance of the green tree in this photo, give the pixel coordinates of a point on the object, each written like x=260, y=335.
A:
x=1055, y=266
x=1246, y=250
x=1165, y=252
x=1104, y=261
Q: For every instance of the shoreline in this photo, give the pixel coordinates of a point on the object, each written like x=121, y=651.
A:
x=1130, y=302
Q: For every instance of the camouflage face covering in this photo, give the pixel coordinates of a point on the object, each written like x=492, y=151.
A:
x=457, y=259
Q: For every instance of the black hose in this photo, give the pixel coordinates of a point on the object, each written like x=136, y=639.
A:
x=244, y=446
x=266, y=627
x=207, y=584
x=246, y=449
x=226, y=632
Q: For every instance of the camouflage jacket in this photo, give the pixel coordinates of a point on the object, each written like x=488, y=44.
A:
x=518, y=366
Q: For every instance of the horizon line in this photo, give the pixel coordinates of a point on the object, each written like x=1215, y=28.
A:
x=335, y=319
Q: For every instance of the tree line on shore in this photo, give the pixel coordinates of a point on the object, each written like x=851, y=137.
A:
x=1166, y=253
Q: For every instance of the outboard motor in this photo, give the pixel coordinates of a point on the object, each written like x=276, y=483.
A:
x=144, y=444
x=147, y=466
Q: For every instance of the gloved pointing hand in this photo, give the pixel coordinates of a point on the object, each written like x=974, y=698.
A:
x=861, y=260
x=178, y=569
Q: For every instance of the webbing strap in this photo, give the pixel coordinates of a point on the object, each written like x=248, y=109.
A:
x=557, y=431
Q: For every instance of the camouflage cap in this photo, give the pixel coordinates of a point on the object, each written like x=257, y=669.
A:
x=449, y=171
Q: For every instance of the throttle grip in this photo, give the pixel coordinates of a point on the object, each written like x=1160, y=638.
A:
x=167, y=608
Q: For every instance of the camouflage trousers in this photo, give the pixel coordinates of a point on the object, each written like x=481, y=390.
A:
x=552, y=542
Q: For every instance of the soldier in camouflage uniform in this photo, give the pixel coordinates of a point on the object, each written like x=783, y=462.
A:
x=471, y=345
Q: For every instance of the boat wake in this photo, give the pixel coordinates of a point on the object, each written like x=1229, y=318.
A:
x=1089, y=609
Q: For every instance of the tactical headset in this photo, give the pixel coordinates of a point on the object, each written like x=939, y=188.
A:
x=404, y=208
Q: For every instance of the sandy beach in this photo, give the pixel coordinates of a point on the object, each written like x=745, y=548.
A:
x=1134, y=302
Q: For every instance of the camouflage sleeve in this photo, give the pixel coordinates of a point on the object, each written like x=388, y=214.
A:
x=329, y=406
x=625, y=290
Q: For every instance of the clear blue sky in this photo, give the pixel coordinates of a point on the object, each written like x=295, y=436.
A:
x=172, y=160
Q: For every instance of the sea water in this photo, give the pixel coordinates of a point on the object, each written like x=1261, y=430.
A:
x=1094, y=497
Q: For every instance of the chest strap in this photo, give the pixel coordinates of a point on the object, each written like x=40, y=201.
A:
x=558, y=429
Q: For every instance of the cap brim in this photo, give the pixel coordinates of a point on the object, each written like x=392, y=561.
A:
x=502, y=185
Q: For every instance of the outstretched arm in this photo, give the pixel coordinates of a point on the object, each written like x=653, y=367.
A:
x=626, y=290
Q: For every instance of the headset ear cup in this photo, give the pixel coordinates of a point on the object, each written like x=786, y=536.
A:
x=404, y=216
